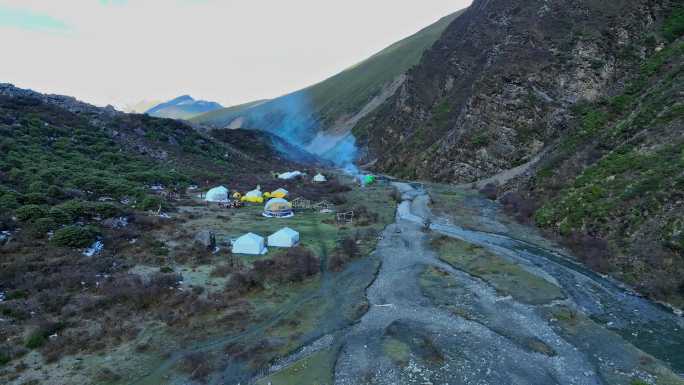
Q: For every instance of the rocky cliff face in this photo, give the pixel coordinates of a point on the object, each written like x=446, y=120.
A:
x=500, y=83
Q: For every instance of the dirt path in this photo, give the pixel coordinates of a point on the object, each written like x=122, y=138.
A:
x=407, y=337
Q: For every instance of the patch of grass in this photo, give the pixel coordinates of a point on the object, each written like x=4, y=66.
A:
x=396, y=350
x=316, y=369
x=508, y=278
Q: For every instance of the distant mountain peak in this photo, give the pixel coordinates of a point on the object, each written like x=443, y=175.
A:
x=183, y=107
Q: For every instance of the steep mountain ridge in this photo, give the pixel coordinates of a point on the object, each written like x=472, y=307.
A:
x=499, y=84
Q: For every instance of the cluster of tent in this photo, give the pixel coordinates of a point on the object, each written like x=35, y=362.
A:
x=254, y=244
x=276, y=205
x=318, y=178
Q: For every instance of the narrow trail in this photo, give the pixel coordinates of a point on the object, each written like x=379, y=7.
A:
x=493, y=347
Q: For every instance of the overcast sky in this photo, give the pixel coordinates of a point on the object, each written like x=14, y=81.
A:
x=123, y=51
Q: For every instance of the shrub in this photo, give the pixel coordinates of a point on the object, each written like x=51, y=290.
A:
x=347, y=250
x=221, y=270
x=106, y=210
x=75, y=236
x=4, y=358
x=17, y=294
x=74, y=208
x=674, y=25
x=349, y=247
x=39, y=336
x=59, y=215
x=82, y=209
x=35, y=198
x=243, y=282
x=30, y=213
x=8, y=202
x=55, y=192
x=38, y=187
x=198, y=365
x=36, y=339
x=42, y=225
x=152, y=203
x=490, y=190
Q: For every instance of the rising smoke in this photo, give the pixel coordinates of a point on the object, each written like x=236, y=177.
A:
x=293, y=119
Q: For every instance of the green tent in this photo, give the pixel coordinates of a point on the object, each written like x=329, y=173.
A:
x=369, y=179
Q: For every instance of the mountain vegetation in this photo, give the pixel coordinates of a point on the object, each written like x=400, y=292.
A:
x=585, y=97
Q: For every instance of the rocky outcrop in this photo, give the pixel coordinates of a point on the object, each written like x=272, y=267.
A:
x=500, y=83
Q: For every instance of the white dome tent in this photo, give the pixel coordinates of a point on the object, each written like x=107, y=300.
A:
x=285, y=237
x=217, y=194
x=320, y=178
x=278, y=208
x=251, y=244
x=290, y=175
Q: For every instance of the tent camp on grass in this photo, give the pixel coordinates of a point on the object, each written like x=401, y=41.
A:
x=217, y=194
x=285, y=237
x=251, y=244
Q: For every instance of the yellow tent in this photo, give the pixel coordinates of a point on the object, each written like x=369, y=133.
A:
x=254, y=196
x=279, y=193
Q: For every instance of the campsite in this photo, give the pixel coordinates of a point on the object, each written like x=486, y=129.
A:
x=210, y=293
x=198, y=192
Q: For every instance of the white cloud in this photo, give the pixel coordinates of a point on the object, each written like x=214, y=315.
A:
x=223, y=50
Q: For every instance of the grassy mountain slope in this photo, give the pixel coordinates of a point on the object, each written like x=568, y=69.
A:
x=613, y=188
x=347, y=92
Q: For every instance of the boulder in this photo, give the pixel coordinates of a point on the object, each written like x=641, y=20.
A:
x=206, y=239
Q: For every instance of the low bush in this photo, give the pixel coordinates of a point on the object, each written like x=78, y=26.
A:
x=674, y=25
x=35, y=199
x=346, y=250
x=39, y=336
x=42, y=225
x=222, y=270
x=243, y=282
x=30, y=213
x=293, y=265
x=521, y=208
x=4, y=358
x=75, y=236
x=197, y=365
x=152, y=202
x=9, y=202
x=490, y=190
x=59, y=215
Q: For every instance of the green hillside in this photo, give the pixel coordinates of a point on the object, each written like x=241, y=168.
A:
x=348, y=91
